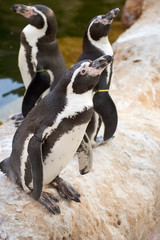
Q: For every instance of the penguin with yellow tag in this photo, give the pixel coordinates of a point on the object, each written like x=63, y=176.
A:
x=96, y=44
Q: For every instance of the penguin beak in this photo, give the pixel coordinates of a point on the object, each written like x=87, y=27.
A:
x=108, y=18
x=98, y=65
x=26, y=11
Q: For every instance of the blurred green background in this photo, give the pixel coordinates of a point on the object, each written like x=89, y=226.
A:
x=72, y=17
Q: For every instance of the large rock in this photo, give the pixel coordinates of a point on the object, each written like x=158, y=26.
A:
x=137, y=79
x=136, y=65
x=120, y=197
x=131, y=12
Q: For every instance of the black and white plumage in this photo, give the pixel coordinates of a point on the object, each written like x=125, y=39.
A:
x=96, y=44
x=53, y=132
x=40, y=60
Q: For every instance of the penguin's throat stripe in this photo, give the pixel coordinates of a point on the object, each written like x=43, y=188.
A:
x=42, y=70
x=103, y=90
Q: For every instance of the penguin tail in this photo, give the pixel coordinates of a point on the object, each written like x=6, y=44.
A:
x=4, y=166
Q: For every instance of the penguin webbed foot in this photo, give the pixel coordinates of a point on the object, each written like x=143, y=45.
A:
x=49, y=201
x=18, y=116
x=65, y=189
x=18, y=119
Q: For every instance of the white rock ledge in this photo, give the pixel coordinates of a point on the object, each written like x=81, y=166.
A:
x=120, y=197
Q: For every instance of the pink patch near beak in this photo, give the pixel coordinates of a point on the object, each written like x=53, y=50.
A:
x=106, y=21
x=30, y=13
x=94, y=72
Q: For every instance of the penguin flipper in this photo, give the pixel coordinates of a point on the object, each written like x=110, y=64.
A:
x=38, y=85
x=35, y=156
x=85, y=155
x=105, y=107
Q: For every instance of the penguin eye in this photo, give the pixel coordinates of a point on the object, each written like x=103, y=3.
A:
x=83, y=71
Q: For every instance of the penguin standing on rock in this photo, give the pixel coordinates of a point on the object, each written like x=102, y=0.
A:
x=96, y=44
x=52, y=132
x=40, y=61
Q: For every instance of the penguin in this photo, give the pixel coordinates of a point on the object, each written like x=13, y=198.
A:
x=53, y=132
x=40, y=60
x=96, y=44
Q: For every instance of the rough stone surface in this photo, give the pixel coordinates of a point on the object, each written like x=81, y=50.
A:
x=120, y=197
x=137, y=60
x=131, y=11
x=137, y=78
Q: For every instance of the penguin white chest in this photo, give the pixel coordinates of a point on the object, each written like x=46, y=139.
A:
x=62, y=153
x=23, y=66
x=28, y=54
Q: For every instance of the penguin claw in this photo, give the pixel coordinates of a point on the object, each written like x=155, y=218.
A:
x=65, y=189
x=18, y=119
x=18, y=123
x=49, y=202
x=52, y=197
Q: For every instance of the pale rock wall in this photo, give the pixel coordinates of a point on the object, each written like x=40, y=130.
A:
x=136, y=86
x=137, y=60
x=131, y=11
x=120, y=197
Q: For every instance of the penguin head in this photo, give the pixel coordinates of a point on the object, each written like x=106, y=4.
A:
x=85, y=74
x=99, y=26
x=37, y=15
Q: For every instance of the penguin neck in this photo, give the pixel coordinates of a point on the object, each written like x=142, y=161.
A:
x=103, y=44
x=64, y=87
x=52, y=28
x=102, y=84
x=51, y=31
x=32, y=33
x=44, y=27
